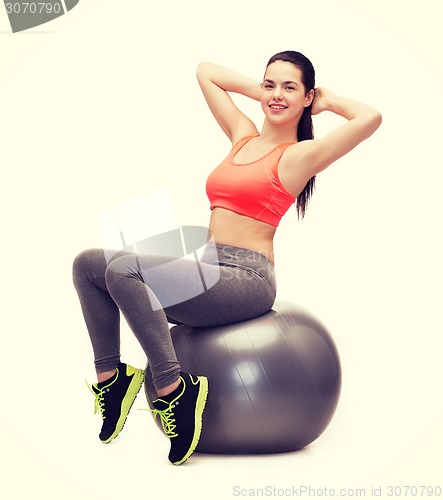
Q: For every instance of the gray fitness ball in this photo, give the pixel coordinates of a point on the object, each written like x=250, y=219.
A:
x=274, y=381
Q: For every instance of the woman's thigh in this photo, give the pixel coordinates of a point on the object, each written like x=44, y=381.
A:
x=237, y=295
x=199, y=293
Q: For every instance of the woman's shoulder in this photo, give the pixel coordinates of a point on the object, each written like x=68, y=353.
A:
x=296, y=151
x=245, y=138
x=293, y=158
x=246, y=131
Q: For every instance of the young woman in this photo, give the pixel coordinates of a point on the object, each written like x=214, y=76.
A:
x=264, y=173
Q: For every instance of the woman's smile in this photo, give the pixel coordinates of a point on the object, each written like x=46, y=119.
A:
x=277, y=108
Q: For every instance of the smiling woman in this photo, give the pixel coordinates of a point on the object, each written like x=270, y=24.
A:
x=249, y=192
x=288, y=99
x=299, y=93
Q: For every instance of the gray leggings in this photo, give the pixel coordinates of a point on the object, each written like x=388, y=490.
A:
x=224, y=285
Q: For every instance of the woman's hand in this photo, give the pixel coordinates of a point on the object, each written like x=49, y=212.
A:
x=322, y=99
x=363, y=121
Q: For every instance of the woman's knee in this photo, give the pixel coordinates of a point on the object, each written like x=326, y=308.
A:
x=86, y=262
x=125, y=266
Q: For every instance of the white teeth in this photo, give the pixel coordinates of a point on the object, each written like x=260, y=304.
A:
x=275, y=106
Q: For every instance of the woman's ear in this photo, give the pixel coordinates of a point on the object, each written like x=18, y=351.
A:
x=309, y=98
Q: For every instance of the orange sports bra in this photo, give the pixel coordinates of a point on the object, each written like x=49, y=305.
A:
x=252, y=189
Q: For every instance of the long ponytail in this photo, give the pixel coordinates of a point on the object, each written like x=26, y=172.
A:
x=305, y=129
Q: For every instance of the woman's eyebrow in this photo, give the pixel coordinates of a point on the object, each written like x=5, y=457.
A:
x=288, y=82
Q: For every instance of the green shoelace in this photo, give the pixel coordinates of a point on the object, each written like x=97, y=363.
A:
x=167, y=420
x=99, y=401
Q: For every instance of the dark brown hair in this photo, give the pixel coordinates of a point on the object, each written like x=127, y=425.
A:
x=305, y=129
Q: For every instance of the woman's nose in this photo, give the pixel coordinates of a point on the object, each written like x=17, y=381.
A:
x=277, y=93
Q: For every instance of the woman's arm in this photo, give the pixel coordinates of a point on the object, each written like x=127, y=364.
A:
x=215, y=82
x=314, y=156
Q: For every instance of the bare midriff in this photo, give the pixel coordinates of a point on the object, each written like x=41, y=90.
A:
x=230, y=228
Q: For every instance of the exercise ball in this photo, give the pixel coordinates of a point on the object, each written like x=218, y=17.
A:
x=274, y=381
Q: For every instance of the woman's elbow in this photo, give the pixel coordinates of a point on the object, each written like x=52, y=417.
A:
x=202, y=68
x=378, y=118
x=375, y=120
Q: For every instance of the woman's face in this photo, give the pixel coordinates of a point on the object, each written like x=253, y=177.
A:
x=283, y=96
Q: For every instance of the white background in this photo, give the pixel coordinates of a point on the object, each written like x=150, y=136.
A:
x=101, y=106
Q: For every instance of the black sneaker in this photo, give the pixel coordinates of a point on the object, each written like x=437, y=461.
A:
x=181, y=415
x=114, y=398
